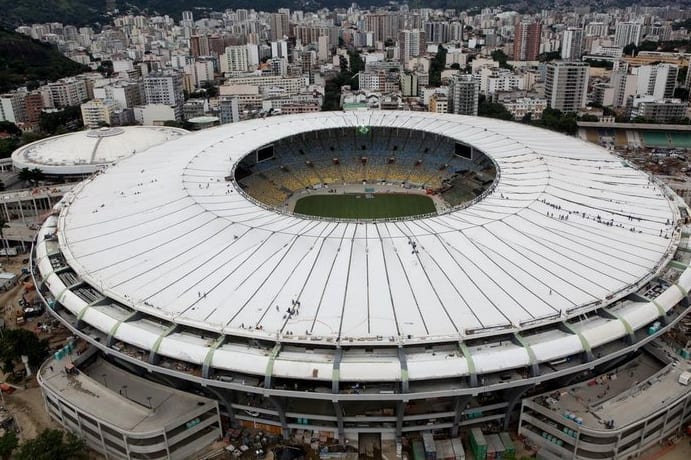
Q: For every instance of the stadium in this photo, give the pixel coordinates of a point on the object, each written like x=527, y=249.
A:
x=543, y=260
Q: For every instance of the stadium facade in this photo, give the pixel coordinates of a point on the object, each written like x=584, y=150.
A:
x=177, y=269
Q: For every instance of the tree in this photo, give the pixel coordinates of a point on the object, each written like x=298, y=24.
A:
x=31, y=176
x=8, y=145
x=556, y=120
x=8, y=443
x=492, y=109
x=37, y=175
x=53, y=445
x=10, y=128
x=356, y=62
x=24, y=175
x=589, y=117
x=14, y=343
x=437, y=65
x=501, y=58
x=681, y=93
x=630, y=49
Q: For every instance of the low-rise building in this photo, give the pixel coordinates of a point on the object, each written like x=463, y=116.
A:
x=523, y=106
x=121, y=415
x=439, y=103
x=657, y=110
x=616, y=415
x=98, y=112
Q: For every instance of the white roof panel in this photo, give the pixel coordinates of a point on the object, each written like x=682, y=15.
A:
x=566, y=226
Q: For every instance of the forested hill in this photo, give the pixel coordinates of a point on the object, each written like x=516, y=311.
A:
x=23, y=60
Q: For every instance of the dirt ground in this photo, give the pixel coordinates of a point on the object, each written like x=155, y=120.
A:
x=25, y=404
x=29, y=412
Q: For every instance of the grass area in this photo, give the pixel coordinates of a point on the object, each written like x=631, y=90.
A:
x=358, y=206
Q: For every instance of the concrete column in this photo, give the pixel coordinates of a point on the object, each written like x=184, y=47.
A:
x=514, y=396
x=461, y=402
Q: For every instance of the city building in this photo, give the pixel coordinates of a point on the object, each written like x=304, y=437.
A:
x=525, y=107
x=266, y=83
x=409, y=84
x=12, y=107
x=624, y=85
x=98, y=112
x=228, y=109
x=627, y=33
x=126, y=93
x=572, y=44
x=235, y=59
x=437, y=32
x=566, y=85
x=384, y=26
x=464, y=95
x=411, y=43
x=657, y=80
x=657, y=110
x=156, y=114
x=68, y=92
x=439, y=103
x=526, y=40
x=279, y=25
x=165, y=88
x=33, y=106
x=300, y=344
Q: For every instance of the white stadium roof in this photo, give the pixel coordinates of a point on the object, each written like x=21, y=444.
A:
x=85, y=152
x=567, y=228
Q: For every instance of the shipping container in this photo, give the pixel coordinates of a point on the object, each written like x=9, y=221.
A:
x=478, y=444
x=430, y=446
x=444, y=449
x=458, y=449
x=495, y=448
x=509, y=447
x=418, y=450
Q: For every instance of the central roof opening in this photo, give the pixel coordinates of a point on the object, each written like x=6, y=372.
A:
x=365, y=173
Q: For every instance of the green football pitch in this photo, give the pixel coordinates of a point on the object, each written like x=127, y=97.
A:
x=358, y=206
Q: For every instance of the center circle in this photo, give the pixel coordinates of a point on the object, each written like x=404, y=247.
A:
x=364, y=172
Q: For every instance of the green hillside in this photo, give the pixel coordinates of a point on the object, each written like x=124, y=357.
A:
x=23, y=60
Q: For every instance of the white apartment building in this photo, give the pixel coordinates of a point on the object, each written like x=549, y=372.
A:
x=566, y=85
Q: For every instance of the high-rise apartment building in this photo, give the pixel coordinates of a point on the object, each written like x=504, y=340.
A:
x=626, y=33
x=657, y=80
x=68, y=91
x=596, y=29
x=127, y=94
x=572, y=44
x=12, y=107
x=280, y=26
x=566, y=85
x=411, y=43
x=165, y=88
x=526, y=41
x=235, y=59
x=187, y=19
x=437, y=32
x=33, y=106
x=464, y=95
x=98, y=112
x=228, y=109
x=385, y=26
